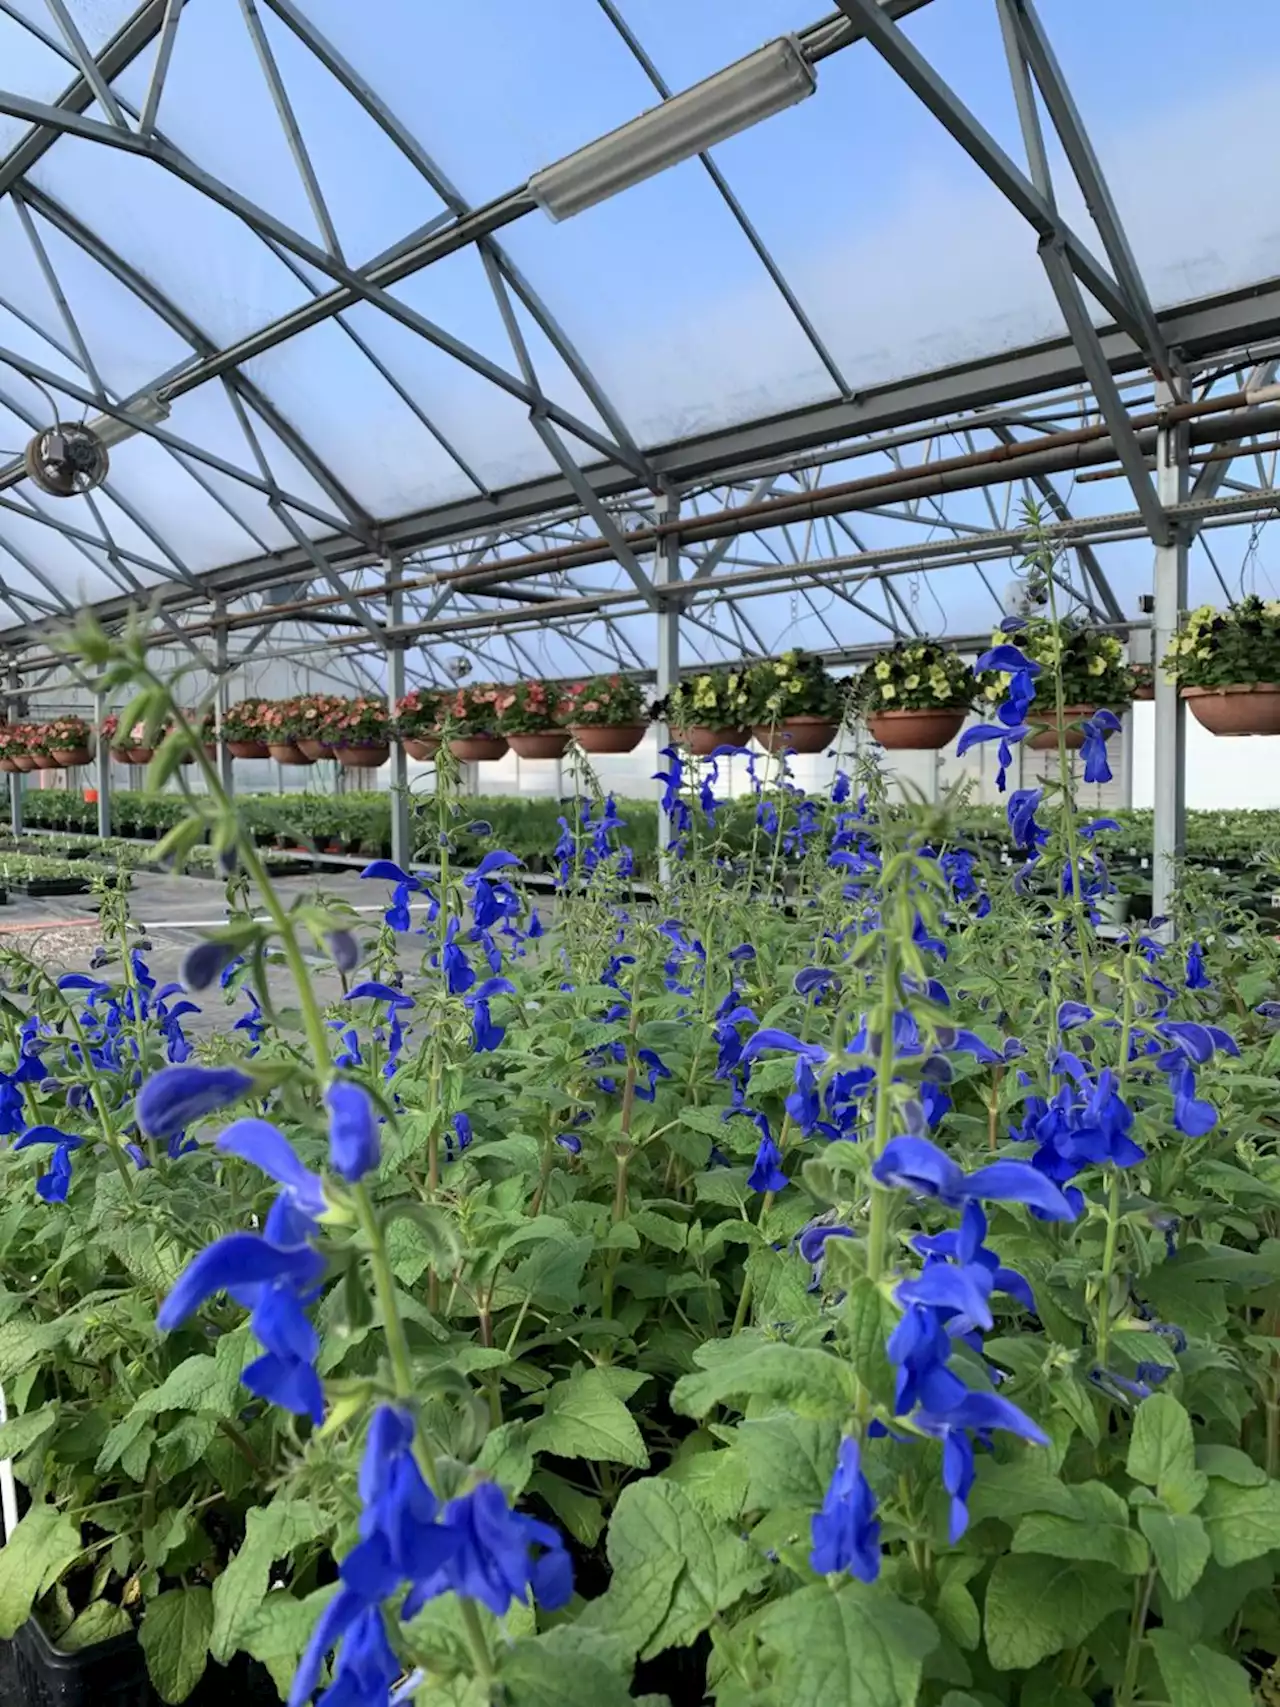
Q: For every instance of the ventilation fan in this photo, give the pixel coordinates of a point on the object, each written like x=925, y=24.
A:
x=67, y=460
x=459, y=666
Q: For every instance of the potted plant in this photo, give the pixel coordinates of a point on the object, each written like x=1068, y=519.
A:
x=242, y=729
x=12, y=748
x=70, y=741
x=915, y=696
x=1094, y=674
x=709, y=710
x=39, y=747
x=418, y=723
x=471, y=716
x=281, y=726
x=529, y=715
x=795, y=705
x=1144, y=681
x=357, y=732
x=606, y=714
x=313, y=712
x=1227, y=665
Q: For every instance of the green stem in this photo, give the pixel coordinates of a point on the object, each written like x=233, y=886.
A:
x=384, y=1286
x=1142, y=1592
x=1068, y=802
x=878, y=1223
x=476, y=1640
x=1108, y=1265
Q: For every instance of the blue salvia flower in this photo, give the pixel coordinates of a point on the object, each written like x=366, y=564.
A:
x=344, y=950
x=1097, y=728
x=353, y=1131
x=485, y=1034
x=1197, y=978
x=846, y=1531
x=205, y=962
x=502, y=1555
x=916, y=1165
x=372, y=991
x=176, y=1096
x=54, y=1184
x=767, y=1174
x=459, y=976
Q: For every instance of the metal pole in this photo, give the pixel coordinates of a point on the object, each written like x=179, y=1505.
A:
x=18, y=710
x=1126, y=759
x=102, y=766
x=666, y=572
x=401, y=843
x=222, y=699
x=1170, y=601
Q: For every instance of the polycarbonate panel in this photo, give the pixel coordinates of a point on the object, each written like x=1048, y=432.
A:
x=203, y=257
x=664, y=298
x=30, y=68
x=492, y=90
x=95, y=20
x=688, y=43
x=1180, y=109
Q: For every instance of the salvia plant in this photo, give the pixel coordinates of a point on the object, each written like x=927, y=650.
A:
x=855, y=1290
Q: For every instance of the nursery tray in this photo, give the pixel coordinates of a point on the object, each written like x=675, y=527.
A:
x=114, y=1674
x=36, y=887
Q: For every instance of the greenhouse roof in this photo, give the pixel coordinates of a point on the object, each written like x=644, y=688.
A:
x=287, y=253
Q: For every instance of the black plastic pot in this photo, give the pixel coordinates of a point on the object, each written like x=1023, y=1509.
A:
x=114, y=1674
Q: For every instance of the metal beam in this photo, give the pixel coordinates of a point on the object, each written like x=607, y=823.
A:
x=1169, y=816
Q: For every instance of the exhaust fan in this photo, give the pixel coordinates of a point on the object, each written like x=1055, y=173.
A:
x=67, y=460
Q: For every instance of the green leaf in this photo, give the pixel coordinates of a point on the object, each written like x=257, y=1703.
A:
x=1229, y=1464
x=957, y=1614
x=1162, y=1453
x=175, y=1639
x=581, y=1514
x=40, y=1549
x=1037, y=1606
x=674, y=1569
x=1180, y=1543
x=869, y=1319
x=539, y=1675
x=856, y=1645
x=810, y=1380
x=1198, y=1677
x=1098, y=1529
x=1243, y=1522
x=584, y=1418
x=24, y=1341
x=281, y=1629
x=1010, y=1491
x=99, y=1622
x=789, y=1460
x=20, y=1434
x=271, y=1532
x=660, y=1229
x=198, y=1384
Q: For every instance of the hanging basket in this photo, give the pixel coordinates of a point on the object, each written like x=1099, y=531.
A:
x=70, y=758
x=421, y=747
x=1248, y=708
x=139, y=755
x=702, y=740
x=315, y=750
x=26, y=761
x=248, y=749
x=10, y=765
x=366, y=758
x=540, y=743
x=1046, y=740
x=797, y=735
x=288, y=753
x=927, y=730
x=608, y=737
x=475, y=749
x=44, y=759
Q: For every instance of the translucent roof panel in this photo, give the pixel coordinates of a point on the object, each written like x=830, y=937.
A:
x=840, y=247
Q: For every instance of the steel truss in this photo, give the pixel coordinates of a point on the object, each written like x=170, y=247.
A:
x=847, y=506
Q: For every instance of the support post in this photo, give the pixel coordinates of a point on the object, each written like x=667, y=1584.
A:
x=1170, y=601
x=222, y=698
x=401, y=841
x=16, y=709
x=666, y=572
x=102, y=766
x=1126, y=759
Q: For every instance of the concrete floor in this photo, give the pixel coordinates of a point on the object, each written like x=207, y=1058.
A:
x=61, y=932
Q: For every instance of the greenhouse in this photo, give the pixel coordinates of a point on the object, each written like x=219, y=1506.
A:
x=640, y=954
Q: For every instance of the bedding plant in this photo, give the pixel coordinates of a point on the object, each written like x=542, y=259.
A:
x=793, y=685
x=711, y=699
x=603, y=700
x=915, y=675
x=1226, y=648
x=866, y=1301
x=528, y=708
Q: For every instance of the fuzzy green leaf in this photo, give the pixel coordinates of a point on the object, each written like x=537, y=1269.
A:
x=271, y=1532
x=1162, y=1453
x=1243, y=1522
x=175, y=1640
x=584, y=1418
x=1038, y=1606
x=1198, y=1677
x=1180, y=1543
x=1098, y=1529
x=856, y=1645
x=43, y=1545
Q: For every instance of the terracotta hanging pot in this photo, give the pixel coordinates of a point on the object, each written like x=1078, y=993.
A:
x=69, y=758
x=1145, y=690
x=421, y=747
x=540, y=743
x=10, y=765
x=1248, y=708
x=608, y=737
x=363, y=758
x=288, y=753
x=475, y=749
x=1046, y=740
x=927, y=730
x=315, y=750
x=803, y=734
x=702, y=739
x=249, y=749
x=26, y=761
x=45, y=760
x=139, y=755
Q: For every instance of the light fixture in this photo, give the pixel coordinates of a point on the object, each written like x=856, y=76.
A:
x=773, y=78
x=111, y=430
